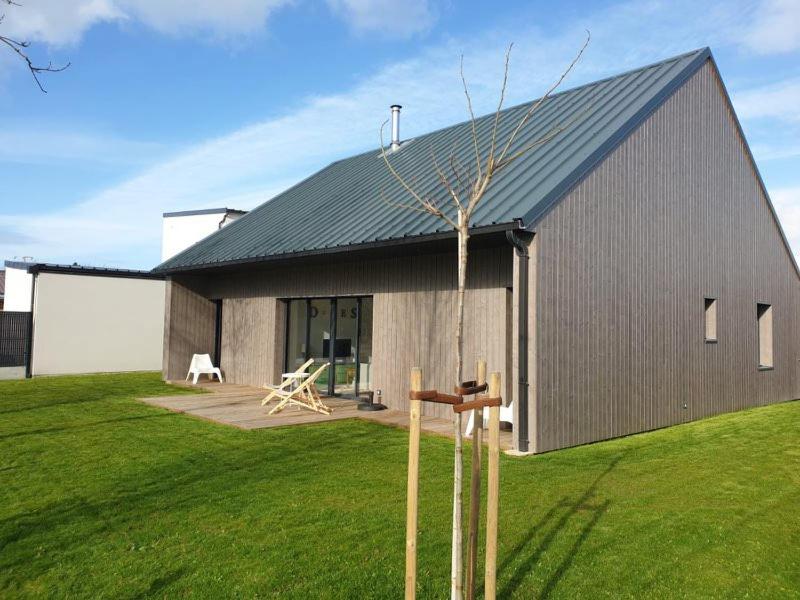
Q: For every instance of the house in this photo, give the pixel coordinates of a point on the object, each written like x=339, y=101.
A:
x=81, y=319
x=2, y=288
x=628, y=275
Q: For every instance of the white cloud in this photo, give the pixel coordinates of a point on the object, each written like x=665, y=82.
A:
x=787, y=204
x=55, y=21
x=775, y=28
x=389, y=18
x=60, y=22
x=36, y=145
x=121, y=225
x=777, y=101
x=223, y=18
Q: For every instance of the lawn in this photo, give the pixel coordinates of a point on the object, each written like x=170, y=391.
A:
x=102, y=496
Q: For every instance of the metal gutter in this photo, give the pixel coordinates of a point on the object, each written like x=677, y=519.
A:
x=521, y=249
x=29, y=357
x=389, y=243
x=34, y=268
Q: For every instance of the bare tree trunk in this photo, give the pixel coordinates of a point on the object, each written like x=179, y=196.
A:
x=465, y=189
x=456, y=565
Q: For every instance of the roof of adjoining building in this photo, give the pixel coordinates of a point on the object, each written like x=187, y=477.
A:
x=76, y=269
x=204, y=211
x=344, y=206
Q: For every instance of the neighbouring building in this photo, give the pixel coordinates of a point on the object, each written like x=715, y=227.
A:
x=181, y=229
x=2, y=288
x=67, y=319
x=628, y=275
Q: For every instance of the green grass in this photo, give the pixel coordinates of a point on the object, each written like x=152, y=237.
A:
x=102, y=496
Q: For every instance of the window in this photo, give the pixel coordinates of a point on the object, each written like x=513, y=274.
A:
x=764, y=315
x=711, y=320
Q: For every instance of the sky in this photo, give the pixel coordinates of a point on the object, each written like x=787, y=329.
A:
x=174, y=105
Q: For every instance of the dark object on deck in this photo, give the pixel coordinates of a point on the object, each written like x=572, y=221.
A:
x=368, y=404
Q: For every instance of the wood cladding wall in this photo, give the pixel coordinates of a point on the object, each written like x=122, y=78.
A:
x=189, y=321
x=414, y=303
x=624, y=263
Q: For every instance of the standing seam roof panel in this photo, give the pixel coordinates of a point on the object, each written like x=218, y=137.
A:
x=341, y=204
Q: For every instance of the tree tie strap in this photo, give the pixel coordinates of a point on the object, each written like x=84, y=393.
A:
x=468, y=388
x=434, y=396
x=482, y=402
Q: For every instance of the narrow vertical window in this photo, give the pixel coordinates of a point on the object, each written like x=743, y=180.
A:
x=764, y=314
x=711, y=319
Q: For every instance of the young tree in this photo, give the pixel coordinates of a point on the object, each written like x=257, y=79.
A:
x=465, y=189
x=20, y=48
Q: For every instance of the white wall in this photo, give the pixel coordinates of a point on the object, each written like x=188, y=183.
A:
x=18, y=289
x=181, y=231
x=92, y=324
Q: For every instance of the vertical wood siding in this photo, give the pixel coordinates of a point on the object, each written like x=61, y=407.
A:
x=188, y=328
x=671, y=217
x=414, y=304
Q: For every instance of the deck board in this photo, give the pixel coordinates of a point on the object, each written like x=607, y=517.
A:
x=240, y=406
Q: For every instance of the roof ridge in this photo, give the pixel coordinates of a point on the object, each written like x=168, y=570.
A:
x=658, y=63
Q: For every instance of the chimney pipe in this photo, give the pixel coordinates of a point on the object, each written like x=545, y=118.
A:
x=395, y=126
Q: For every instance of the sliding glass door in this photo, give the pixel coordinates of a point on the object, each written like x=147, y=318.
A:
x=337, y=331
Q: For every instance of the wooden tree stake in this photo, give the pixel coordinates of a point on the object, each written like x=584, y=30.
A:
x=475, y=487
x=493, y=491
x=412, y=501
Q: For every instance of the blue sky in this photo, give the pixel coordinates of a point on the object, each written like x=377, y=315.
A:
x=182, y=104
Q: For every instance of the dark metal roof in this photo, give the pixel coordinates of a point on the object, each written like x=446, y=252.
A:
x=33, y=267
x=204, y=211
x=341, y=207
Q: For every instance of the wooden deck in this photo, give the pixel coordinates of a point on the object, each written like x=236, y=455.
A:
x=240, y=406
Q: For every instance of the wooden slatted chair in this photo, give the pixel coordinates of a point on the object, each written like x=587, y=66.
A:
x=287, y=384
x=305, y=395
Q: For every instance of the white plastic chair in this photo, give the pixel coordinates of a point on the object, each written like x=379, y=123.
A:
x=506, y=415
x=201, y=364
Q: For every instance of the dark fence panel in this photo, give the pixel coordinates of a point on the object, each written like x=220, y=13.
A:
x=15, y=343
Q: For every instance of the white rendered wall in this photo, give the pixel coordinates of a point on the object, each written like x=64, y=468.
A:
x=181, y=231
x=91, y=324
x=18, y=290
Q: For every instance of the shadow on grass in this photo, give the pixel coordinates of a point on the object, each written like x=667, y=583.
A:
x=80, y=426
x=572, y=508
x=160, y=583
x=175, y=486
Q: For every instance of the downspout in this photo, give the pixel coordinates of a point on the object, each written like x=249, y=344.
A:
x=29, y=358
x=521, y=250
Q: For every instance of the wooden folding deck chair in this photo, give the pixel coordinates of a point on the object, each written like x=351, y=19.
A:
x=305, y=395
x=287, y=384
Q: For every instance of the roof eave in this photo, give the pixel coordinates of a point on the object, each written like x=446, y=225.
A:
x=394, y=242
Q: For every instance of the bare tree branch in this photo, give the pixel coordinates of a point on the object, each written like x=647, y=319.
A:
x=554, y=131
x=425, y=204
x=20, y=48
x=535, y=106
x=445, y=181
x=471, y=119
x=490, y=158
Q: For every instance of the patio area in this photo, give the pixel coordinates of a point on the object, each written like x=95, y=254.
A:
x=240, y=406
